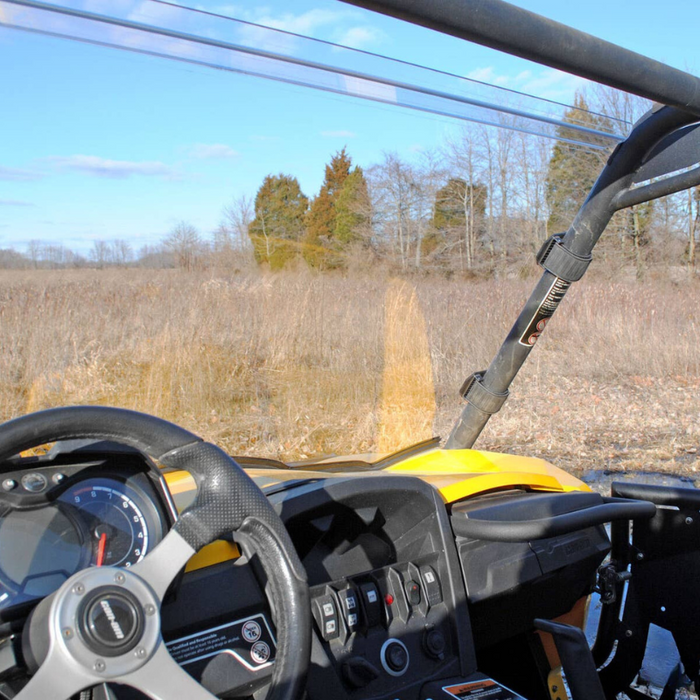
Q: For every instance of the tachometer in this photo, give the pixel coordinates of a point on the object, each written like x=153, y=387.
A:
x=115, y=527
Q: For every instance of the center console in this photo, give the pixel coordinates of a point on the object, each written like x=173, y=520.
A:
x=388, y=603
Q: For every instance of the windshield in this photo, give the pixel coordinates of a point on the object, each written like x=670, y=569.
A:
x=298, y=229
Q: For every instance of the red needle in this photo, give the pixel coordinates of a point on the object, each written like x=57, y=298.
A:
x=101, y=549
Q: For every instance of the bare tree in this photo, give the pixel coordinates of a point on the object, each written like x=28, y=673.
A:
x=185, y=243
x=236, y=219
x=121, y=252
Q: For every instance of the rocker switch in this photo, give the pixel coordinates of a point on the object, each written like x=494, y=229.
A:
x=431, y=584
x=327, y=617
x=350, y=608
x=371, y=603
x=413, y=592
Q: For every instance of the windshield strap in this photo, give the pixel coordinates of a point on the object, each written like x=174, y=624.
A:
x=560, y=261
x=480, y=397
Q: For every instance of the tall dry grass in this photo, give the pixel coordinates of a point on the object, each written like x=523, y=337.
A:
x=297, y=364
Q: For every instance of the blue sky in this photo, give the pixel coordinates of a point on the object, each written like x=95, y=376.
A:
x=103, y=144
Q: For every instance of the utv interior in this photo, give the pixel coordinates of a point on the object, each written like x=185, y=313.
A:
x=137, y=560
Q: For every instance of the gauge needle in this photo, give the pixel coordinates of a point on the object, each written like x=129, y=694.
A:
x=101, y=549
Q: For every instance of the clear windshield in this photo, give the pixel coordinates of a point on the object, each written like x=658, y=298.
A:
x=283, y=231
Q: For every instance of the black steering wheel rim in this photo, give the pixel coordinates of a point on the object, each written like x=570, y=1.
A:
x=227, y=501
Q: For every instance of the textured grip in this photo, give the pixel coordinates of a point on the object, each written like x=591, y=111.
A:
x=226, y=496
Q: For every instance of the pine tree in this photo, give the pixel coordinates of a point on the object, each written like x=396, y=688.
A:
x=336, y=214
x=572, y=169
x=352, y=210
x=277, y=230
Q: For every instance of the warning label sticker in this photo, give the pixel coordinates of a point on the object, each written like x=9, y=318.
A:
x=481, y=690
x=545, y=311
x=249, y=640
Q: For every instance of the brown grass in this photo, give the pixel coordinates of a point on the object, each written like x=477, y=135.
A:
x=293, y=365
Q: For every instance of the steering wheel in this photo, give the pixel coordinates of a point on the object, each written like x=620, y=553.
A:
x=73, y=649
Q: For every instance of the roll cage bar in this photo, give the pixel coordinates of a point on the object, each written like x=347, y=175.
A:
x=662, y=143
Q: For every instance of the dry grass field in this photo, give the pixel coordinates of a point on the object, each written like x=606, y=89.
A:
x=295, y=365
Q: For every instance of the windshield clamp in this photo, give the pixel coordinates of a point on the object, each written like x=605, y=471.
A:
x=560, y=261
x=609, y=583
x=480, y=397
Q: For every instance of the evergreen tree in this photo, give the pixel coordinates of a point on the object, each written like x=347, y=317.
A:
x=343, y=194
x=352, y=209
x=572, y=169
x=278, y=227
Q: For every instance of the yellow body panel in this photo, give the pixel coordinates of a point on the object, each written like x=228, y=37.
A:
x=456, y=474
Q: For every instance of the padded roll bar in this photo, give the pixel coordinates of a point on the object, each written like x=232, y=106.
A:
x=502, y=26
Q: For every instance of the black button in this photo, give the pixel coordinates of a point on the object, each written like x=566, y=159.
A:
x=413, y=592
x=396, y=657
x=372, y=604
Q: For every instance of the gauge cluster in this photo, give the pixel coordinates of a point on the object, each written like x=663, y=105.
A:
x=60, y=516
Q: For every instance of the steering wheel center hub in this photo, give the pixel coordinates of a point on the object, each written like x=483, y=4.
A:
x=110, y=621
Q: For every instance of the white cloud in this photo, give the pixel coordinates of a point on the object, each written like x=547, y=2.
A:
x=360, y=37
x=116, y=169
x=307, y=23
x=14, y=203
x=335, y=25
x=204, y=151
x=18, y=175
x=546, y=83
x=340, y=134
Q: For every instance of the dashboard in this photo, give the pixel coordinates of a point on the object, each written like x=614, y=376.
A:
x=399, y=602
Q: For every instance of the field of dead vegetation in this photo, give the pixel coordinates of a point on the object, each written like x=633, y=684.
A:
x=295, y=365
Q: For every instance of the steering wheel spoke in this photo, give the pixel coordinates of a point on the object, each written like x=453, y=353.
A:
x=162, y=679
x=58, y=678
x=160, y=567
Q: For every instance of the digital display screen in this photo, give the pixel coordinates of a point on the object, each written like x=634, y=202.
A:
x=39, y=550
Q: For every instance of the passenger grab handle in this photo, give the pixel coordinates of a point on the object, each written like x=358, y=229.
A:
x=478, y=527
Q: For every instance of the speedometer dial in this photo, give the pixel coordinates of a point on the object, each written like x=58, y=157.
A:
x=115, y=526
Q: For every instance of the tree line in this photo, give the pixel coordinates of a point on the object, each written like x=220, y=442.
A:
x=486, y=199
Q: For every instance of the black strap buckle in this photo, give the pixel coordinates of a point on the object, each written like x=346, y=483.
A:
x=560, y=261
x=480, y=397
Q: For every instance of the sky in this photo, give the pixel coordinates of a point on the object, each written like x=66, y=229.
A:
x=97, y=143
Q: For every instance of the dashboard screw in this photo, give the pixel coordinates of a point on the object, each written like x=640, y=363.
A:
x=140, y=653
x=78, y=589
x=688, y=521
x=119, y=577
x=150, y=609
x=9, y=484
x=640, y=556
x=58, y=478
x=100, y=665
x=68, y=633
x=628, y=633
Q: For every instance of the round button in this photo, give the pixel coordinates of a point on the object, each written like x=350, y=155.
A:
x=34, y=482
x=111, y=623
x=9, y=484
x=394, y=657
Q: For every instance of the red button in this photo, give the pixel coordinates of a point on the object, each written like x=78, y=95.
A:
x=389, y=598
